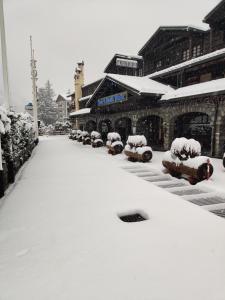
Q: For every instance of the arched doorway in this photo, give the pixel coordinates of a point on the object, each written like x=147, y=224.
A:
x=104, y=128
x=197, y=126
x=123, y=127
x=90, y=126
x=152, y=128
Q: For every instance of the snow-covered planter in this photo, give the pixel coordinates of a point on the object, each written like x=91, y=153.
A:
x=72, y=134
x=114, y=143
x=79, y=136
x=96, y=140
x=86, y=138
x=184, y=159
x=136, y=149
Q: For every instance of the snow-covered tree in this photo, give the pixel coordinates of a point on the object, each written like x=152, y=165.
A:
x=47, y=109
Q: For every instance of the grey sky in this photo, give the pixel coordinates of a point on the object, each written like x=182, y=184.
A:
x=67, y=31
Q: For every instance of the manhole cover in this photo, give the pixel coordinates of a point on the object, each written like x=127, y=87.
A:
x=132, y=218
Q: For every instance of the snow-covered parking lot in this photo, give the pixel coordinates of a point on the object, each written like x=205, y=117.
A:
x=61, y=236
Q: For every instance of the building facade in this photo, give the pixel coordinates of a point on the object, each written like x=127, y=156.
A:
x=174, y=87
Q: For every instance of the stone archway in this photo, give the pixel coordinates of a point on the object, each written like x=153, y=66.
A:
x=104, y=127
x=124, y=127
x=152, y=128
x=195, y=125
x=90, y=126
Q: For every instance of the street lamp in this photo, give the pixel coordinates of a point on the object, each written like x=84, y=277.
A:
x=5, y=83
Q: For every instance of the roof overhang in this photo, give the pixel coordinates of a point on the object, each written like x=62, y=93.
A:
x=171, y=28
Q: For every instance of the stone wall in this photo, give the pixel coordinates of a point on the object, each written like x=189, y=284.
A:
x=213, y=106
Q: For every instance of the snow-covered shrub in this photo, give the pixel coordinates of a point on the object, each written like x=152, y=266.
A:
x=17, y=135
x=185, y=158
x=114, y=143
x=185, y=148
x=96, y=139
x=137, y=140
x=113, y=136
x=85, y=134
x=95, y=135
x=137, y=150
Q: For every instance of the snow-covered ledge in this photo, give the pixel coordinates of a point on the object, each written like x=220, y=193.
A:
x=82, y=111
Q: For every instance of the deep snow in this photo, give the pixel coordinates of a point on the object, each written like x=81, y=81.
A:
x=61, y=238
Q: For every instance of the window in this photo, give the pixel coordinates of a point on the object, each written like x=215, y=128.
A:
x=127, y=63
x=186, y=54
x=158, y=64
x=196, y=51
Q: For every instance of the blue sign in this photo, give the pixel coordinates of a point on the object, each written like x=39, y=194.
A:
x=112, y=99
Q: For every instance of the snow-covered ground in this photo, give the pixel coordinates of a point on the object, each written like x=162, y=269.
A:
x=61, y=237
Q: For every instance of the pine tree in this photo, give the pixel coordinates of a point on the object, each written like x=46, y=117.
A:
x=47, y=109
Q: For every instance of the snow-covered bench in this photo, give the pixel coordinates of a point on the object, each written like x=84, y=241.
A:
x=136, y=149
x=184, y=159
x=96, y=139
x=114, y=143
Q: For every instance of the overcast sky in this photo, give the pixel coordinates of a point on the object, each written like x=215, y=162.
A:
x=67, y=31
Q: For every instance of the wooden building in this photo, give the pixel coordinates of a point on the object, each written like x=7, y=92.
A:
x=180, y=90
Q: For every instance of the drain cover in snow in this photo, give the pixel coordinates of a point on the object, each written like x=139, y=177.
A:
x=137, y=217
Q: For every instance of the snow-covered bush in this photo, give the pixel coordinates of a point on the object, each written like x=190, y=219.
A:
x=137, y=140
x=96, y=139
x=185, y=148
x=85, y=134
x=114, y=143
x=184, y=158
x=95, y=135
x=17, y=136
x=113, y=136
x=137, y=150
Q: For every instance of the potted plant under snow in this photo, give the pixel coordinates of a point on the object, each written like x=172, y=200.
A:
x=86, y=138
x=136, y=149
x=185, y=159
x=79, y=136
x=96, y=140
x=114, y=143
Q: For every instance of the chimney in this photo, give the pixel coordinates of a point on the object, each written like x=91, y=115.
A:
x=79, y=82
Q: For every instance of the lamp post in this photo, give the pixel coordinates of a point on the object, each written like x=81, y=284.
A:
x=5, y=84
x=34, y=79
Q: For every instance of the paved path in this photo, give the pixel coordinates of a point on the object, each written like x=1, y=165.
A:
x=61, y=237
x=207, y=198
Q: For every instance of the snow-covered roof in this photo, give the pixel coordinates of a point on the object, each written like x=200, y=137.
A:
x=123, y=56
x=142, y=85
x=82, y=111
x=85, y=98
x=184, y=28
x=92, y=82
x=212, y=13
x=189, y=63
x=208, y=87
